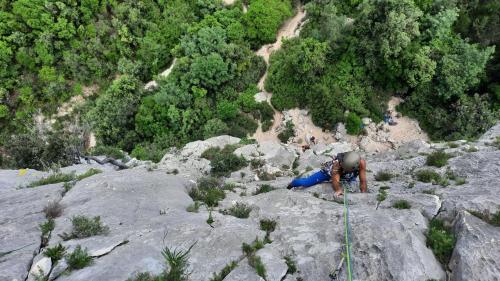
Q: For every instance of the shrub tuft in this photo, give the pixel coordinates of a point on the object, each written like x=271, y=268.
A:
x=84, y=227
x=401, y=204
x=383, y=176
x=239, y=210
x=78, y=259
x=440, y=240
x=437, y=159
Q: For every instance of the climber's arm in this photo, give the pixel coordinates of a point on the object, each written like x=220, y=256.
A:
x=362, y=176
x=335, y=173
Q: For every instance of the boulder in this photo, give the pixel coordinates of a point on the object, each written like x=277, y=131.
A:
x=477, y=251
x=195, y=149
x=276, y=154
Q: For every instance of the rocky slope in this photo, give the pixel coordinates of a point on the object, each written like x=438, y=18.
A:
x=144, y=208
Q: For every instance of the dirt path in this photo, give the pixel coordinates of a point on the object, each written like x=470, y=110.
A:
x=153, y=84
x=407, y=129
x=289, y=29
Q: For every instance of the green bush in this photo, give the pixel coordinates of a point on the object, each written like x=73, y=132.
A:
x=383, y=176
x=288, y=133
x=353, y=124
x=53, y=210
x=382, y=195
x=90, y=172
x=108, y=151
x=263, y=19
x=214, y=127
x=440, y=240
x=239, y=210
x=438, y=159
x=148, y=151
x=208, y=191
x=401, y=204
x=84, y=227
x=226, y=162
x=267, y=125
x=55, y=253
x=255, y=262
x=427, y=176
x=268, y=225
x=193, y=208
x=290, y=263
x=178, y=263
x=78, y=259
x=47, y=227
x=263, y=188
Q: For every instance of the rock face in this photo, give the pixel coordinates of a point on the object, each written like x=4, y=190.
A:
x=145, y=211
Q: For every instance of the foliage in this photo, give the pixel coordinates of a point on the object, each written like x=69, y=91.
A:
x=268, y=225
x=224, y=272
x=440, y=240
x=382, y=195
x=53, y=210
x=493, y=219
x=353, y=124
x=78, y=259
x=193, y=208
x=263, y=19
x=55, y=253
x=178, y=262
x=290, y=263
x=207, y=191
x=47, y=227
x=108, y=151
x=239, y=210
x=427, y=176
x=263, y=188
x=53, y=179
x=383, y=176
x=401, y=204
x=437, y=159
x=256, y=262
x=84, y=227
x=223, y=161
x=287, y=133
x=90, y=172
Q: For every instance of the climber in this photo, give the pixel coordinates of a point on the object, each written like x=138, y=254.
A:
x=343, y=168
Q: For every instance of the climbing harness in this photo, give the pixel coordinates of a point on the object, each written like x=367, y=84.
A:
x=347, y=233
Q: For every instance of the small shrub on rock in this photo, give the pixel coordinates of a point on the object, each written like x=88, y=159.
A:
x=84, y=227
x=268, y=225
x=88, y=173
x=208, y=191
x=493, y=219
x=353, y=124
x=440, y=240
x=239, y=210
x=290, y=263
x=437, y=159
x=52, y=179
x=263, y=189
x=53, y=210
x=78, y=259
x=193, y=208
x=178, y=263
x=383, y=176
x=226, y=162
x=288, y=133
x=224, y=272
x=55, y=253
x=401, y=204
x=382, y=195
x=255, y=262
x=427, y=176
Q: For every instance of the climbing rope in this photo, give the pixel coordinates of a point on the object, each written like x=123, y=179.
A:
x=347, y=235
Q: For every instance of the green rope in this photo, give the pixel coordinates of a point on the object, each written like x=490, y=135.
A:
x=347, y=240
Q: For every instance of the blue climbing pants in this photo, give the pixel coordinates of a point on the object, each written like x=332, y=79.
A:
x=313, y=179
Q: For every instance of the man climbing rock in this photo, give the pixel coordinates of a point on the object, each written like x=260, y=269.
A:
x=343, y=168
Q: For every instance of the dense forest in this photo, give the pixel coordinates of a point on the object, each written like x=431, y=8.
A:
x=351, y=56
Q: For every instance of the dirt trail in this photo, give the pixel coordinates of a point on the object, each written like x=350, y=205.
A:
x=407, y=129
x=289, y=29
x=153, y=84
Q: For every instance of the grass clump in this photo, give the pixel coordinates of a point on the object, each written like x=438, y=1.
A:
x=383, y=176
x=427, y=176
x=194, y=208
x=268, y=225
x=47, y=227
x=460, y=181
x=255, y=262
x=52, y=179
x=88, y=173
x=290, y=263
x=250, y=249
x=230, y=186
x=53, y=210
x=55, y=253
x=385, y=187
x=239, y=210
x=210, y=219
x=223, y=161
x=178, y=261
x=67, y=186
x=208, y=191
x=429, y=191
x=437, y=159
x=493, y=219
x=453, y=145
x=440, y=240
x=257, y=163
x=224, y=272
x=84, y=227
x=146, y=276
x=401, y=204
x=315, y=194
x=472, y=149
x=263, y=189
x=289, y=132
x=382, y=195
x=78, y=259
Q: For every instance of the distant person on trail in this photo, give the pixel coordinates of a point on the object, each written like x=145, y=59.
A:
x=388, y=118
x=343, y=168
